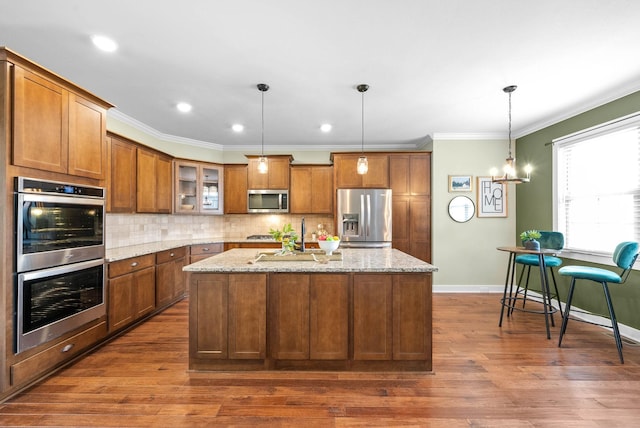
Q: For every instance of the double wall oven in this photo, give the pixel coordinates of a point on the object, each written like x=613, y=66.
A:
x=60, y=269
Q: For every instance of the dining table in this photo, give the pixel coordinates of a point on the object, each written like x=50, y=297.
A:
x=510, y=298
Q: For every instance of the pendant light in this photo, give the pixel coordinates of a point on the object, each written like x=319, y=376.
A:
x=363, y=164
x=263, y=165
x=509, y=170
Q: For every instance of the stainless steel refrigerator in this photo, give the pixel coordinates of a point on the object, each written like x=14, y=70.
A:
x=364, y=217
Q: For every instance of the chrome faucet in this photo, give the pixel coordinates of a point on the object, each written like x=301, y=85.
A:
x=302, y=231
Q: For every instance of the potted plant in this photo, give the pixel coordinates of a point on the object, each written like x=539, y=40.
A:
x=287, y=236
x=530, y=239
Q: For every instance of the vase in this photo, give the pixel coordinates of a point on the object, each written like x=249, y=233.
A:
x=532, y=244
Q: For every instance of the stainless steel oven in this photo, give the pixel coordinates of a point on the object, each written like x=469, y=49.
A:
x=51, y=302
x=57, y=223
x=60, y=267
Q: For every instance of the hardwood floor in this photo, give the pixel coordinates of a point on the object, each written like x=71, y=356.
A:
x=484, y=376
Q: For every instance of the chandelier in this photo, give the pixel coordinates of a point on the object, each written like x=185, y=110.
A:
x=509, y=169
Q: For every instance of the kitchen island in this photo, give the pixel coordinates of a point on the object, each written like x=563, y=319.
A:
x=369, y=311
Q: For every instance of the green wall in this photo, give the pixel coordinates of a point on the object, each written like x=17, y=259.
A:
x=534, y=209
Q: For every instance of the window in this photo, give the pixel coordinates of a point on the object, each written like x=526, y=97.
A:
x=597, y=188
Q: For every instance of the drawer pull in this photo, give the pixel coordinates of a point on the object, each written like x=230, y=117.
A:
x=172, y=254
x=205, y=249
x=134, y=264
x=67, y=347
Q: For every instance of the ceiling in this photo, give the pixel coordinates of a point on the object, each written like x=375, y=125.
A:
x=435, y=68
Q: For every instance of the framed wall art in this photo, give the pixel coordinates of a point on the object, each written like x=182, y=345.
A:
x=492, y=198
x=460, y=183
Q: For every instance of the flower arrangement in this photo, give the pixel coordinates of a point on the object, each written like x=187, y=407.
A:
x=287, y=236
x=530, y=235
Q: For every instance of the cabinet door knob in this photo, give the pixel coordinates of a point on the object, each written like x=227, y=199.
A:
x=171, y=254
x=134, y=264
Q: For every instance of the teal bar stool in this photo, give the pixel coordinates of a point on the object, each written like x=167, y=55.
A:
x=624, y=257
x=548, y=240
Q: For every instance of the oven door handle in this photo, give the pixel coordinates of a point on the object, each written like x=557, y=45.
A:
x=59, y=270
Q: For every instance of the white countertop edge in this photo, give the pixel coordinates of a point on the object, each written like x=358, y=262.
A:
x=385, y=260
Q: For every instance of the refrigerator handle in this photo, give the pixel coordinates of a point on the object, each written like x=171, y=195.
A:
x=368, y=214
x=361, y=223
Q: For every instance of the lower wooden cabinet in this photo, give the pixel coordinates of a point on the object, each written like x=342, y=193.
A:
x=372, y=317
x=170, y=280
x=204, y=251
x=131, y=290
x=391, y=317
x=227, y=318
x=263, y=245
x=309, y=316
x=412, y=333
x=231, y=245
x=316, y=321
x=32, y=367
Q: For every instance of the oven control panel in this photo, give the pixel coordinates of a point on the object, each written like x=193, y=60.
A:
x=30, y=185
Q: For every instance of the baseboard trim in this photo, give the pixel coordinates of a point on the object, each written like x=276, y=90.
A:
x=627, y=332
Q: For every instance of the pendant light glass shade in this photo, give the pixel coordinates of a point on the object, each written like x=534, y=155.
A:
x=263, y=163
x=509, y=173
x=363, y=163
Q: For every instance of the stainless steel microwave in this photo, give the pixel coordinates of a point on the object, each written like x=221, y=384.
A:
x=268, y=201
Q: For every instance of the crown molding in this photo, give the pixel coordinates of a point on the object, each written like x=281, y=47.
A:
x=142, y=127
x=450, y=136
x=136, y=124
x=611, y=96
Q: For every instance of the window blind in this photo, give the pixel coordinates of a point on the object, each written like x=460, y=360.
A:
x=597, y=187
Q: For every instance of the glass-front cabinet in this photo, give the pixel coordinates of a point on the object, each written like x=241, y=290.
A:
x=198, y=188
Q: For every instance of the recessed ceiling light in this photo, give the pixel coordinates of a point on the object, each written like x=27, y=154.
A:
x=104, y=43
x=325, y=127
x=184, y=107
x=237, y=127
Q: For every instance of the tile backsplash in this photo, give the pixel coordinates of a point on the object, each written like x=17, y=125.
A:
x=131, y=229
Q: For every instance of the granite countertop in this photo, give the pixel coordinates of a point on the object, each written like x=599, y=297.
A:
x=353, y=260
x=121, y=253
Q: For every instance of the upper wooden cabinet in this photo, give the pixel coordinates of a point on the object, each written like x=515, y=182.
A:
x=235, y=195
x=311, y=189
x=277, y=177
x=154, y=182
x=57, y=126
x=199, y=188
x=410, y=174
x=121, y=175
x=346, y=176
